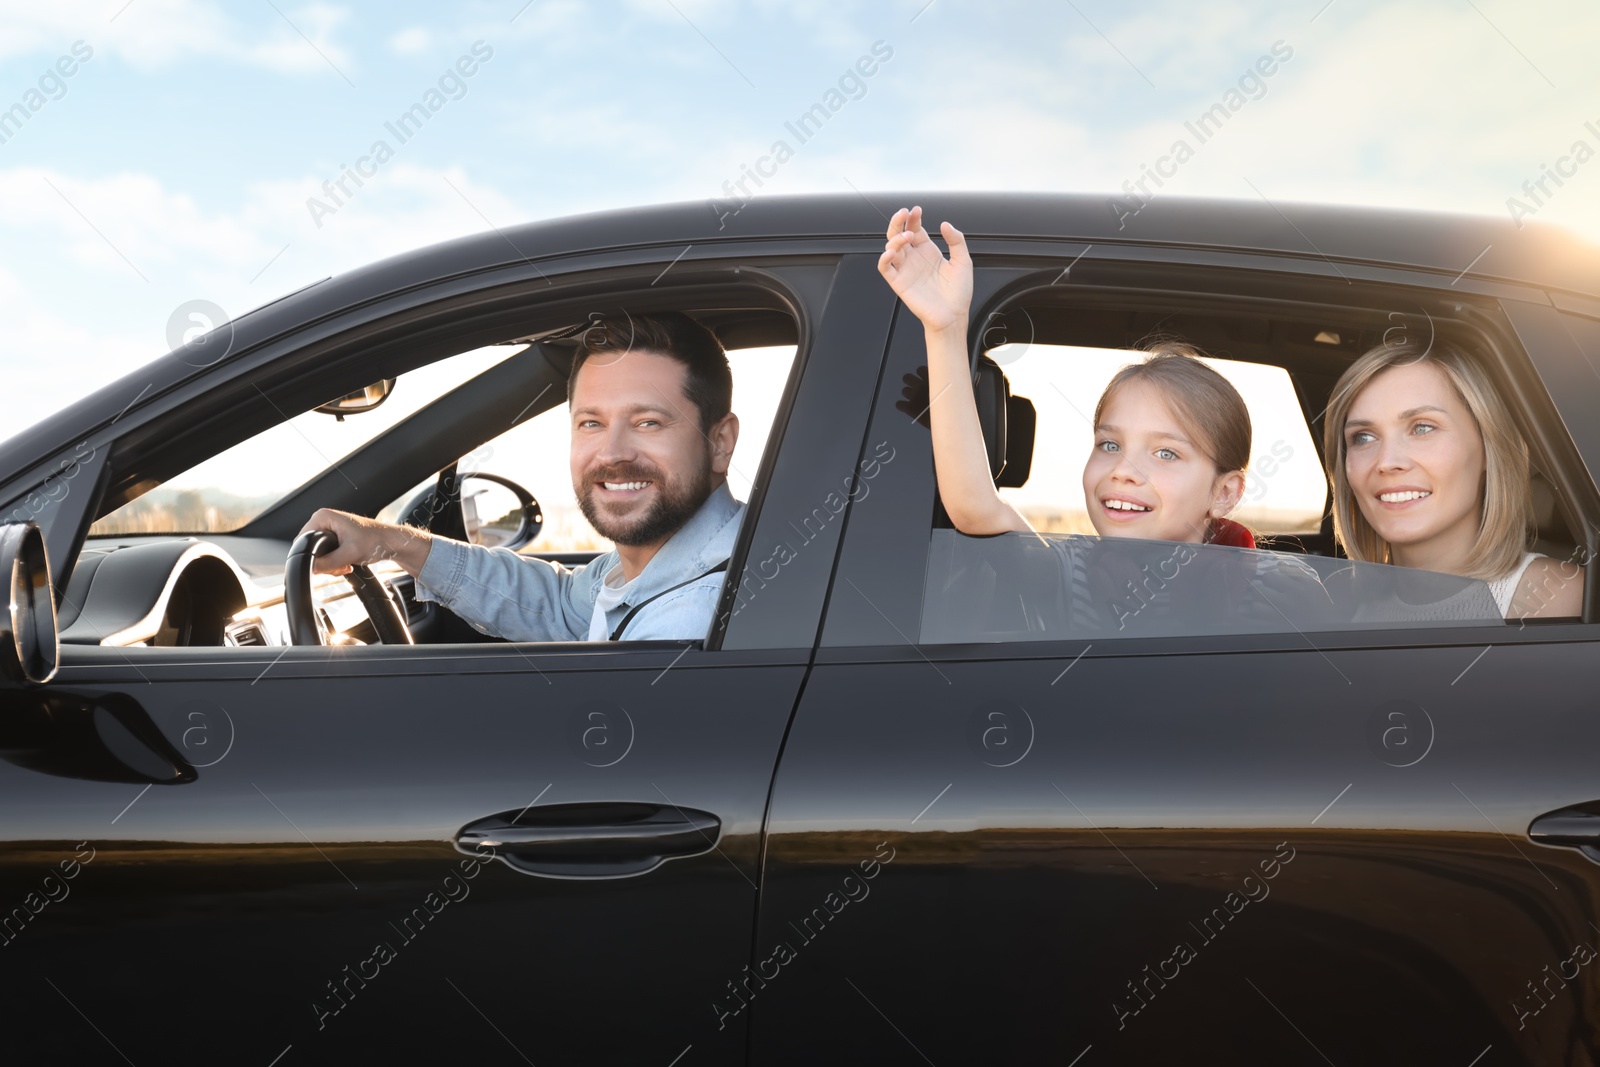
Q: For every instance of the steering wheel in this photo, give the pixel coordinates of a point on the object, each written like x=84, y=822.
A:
x=387, y=617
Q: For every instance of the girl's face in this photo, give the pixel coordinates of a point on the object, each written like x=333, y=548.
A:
x=1147, y=477
x=1414, y=459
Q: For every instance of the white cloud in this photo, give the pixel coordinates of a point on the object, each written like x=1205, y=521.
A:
x=153, y=33
x=81, y=301
x=410, y=41
x=38, y=345
x=1440, y=113
x=404, y=208
x=126, y=218
x=679, y=10
x=1423, y=106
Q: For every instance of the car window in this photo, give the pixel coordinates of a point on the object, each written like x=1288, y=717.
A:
x=1285, y=490
x=1021, y=587
x=227, y=490
x=1067, y=584
x=535, y=453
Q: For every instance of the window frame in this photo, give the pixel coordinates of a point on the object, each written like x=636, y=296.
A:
x=876, y=557
x=359, y=345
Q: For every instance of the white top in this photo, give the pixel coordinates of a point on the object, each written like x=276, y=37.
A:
x=612, y=591
x=1504, y=588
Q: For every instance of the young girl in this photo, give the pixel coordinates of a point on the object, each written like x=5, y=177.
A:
x=1172, y=437
x=1429, y=471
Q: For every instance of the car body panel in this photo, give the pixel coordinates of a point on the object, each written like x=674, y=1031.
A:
x=1065, y=819
x=266, y=833
x=965, y=852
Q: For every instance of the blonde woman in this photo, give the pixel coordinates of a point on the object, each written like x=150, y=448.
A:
x=1429, y=471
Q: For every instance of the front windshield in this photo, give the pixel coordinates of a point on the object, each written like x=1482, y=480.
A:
x=231, y=488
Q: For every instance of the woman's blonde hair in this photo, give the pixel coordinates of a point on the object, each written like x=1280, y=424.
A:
x=1507, y=497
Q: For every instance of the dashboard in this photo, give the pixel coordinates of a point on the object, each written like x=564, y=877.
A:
x=165, y=591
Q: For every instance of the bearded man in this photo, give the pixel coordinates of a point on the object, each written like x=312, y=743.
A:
x=652, y=434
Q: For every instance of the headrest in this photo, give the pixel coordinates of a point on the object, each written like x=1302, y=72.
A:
x=1021, y=422
x=991, y=391
x=1008, y=424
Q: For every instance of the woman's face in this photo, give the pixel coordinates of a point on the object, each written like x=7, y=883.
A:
x=1147, y=477
x=1414, y=459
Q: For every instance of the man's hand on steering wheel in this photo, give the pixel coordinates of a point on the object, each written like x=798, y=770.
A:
x=363, y=540
x=357, y=542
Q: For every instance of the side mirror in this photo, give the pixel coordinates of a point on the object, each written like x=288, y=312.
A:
x=360, y=400
x=497, y=512
x=30, y=646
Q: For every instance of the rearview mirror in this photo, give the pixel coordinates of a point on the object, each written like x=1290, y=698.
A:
x=360, y=400
x=30, y=646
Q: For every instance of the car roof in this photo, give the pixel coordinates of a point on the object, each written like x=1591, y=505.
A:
x=1467, y=245
x=1475, y=245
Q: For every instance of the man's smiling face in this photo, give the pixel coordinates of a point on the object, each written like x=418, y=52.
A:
x=641, y=465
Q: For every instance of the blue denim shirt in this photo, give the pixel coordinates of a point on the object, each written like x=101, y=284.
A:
x=523, y=599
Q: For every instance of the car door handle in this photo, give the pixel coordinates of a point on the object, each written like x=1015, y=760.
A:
x=1577, y=826
x=591, y=840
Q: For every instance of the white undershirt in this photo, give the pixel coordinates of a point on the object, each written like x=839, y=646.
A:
x=613, y=591
x=1505, y=588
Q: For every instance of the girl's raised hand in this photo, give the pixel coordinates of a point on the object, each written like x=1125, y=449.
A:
x=937, y=290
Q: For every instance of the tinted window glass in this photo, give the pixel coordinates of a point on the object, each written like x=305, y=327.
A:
x=1026, y=587
x=227, y=490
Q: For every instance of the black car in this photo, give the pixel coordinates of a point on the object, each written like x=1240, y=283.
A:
x=904, y=802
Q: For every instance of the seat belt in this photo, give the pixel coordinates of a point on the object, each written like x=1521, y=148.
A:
x=626, y=619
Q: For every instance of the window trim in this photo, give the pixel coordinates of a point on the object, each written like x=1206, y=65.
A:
x=1355, y=292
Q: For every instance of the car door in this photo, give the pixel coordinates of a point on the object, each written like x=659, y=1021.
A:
x=278, y=855
x=1285, y=847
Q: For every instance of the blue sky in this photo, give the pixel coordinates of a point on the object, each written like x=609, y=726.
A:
x=176, y=162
